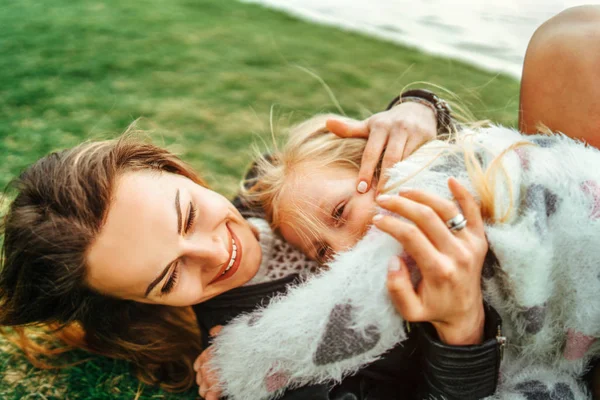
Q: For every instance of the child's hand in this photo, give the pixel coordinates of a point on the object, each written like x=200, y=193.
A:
x=397, y=132
x=207, y=380
x=449, y=294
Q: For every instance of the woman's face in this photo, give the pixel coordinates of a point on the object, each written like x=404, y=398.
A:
x=168, y=240
x=328, y=196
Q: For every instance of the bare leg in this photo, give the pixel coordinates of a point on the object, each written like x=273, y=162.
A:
x=560, y=87
x=561, y=76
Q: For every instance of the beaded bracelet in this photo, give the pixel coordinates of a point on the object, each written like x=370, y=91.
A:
x=440, y=108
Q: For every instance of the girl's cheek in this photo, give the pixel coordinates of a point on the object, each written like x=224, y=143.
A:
x=364, y=210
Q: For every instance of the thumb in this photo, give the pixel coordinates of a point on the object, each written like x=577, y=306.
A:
x=347, y=128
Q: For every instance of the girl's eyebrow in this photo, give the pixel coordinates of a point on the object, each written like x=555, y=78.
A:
x=179, y=228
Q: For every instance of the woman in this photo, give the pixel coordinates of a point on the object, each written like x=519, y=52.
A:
x=114, y=240
x=158, y=338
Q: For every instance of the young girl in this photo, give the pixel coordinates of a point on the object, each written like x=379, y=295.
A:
x=540, y=197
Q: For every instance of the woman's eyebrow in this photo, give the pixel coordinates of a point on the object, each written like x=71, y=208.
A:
x=178, y=209
x=164, y=271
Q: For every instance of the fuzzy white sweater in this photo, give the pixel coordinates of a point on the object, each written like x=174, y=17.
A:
x=544, y=281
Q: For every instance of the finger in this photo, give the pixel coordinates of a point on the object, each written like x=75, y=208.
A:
x=212, y=395
x=422, y=215
x=215, y=330
x=444, y=208
x=347, y=128
x=414, y=242
x=198, y=362
x=401, y=291
x=370, y=159
x=411, y=146
x=214, y=392
x=393, y=151
x=469, y=206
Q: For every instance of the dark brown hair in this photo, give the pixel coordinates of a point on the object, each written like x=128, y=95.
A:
x=60, y=206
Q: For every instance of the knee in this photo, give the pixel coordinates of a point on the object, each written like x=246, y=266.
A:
x=573, y=31
x=568, y=43
x=561, y=71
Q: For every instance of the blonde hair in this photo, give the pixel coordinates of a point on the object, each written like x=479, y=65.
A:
x=311, y=142
x=307, y=143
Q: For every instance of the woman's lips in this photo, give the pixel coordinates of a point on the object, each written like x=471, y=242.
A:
x=236, y=264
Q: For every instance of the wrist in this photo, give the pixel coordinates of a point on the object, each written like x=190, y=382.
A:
x=418, y=103
x=441, y=108
x=463, y=332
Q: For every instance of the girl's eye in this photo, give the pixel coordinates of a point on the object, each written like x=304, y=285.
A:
x=323, y=253
x=338, y=213
x=190, y=219
x=171, y=281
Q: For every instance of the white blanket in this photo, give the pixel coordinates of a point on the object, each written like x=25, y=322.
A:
x=544, y=281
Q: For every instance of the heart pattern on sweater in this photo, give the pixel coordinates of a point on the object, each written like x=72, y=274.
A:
x=544, y=141
x=543, y=200
x=540, y=196
x=577, y=344
x=340, y=341
x=536, y=390
x=523, y=157
x=276, y=380
x=534, y=318
x=592, y=189
x=451, y=165
x=490, y=263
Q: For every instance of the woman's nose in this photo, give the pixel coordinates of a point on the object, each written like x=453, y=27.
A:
x=208, y=251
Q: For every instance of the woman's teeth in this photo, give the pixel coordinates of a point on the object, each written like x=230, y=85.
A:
x=233, y=254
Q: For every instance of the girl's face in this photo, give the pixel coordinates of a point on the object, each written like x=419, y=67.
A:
x=327, y=196
x=168, y=240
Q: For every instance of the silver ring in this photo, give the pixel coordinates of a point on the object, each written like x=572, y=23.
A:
x=457, y=223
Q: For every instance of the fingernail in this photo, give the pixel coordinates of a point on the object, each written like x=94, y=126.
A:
x=394, y=264
x=362, y=187
x=383, y=198
x=377, y=217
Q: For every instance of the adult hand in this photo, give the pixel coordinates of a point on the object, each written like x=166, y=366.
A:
x=449, y=293
x=395, y=134
x=205, y=378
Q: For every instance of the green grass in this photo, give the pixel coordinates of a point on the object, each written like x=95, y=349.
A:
x=205, y=75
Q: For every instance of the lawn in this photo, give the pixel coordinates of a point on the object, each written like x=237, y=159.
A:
x=205, y=76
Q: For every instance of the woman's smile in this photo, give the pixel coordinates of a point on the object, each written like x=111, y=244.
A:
x=235, y=258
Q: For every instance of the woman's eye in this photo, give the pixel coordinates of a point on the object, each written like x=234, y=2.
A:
x=171, y=281
x=190, y=219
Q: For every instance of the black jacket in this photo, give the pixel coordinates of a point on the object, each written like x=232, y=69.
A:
x=420, y=368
